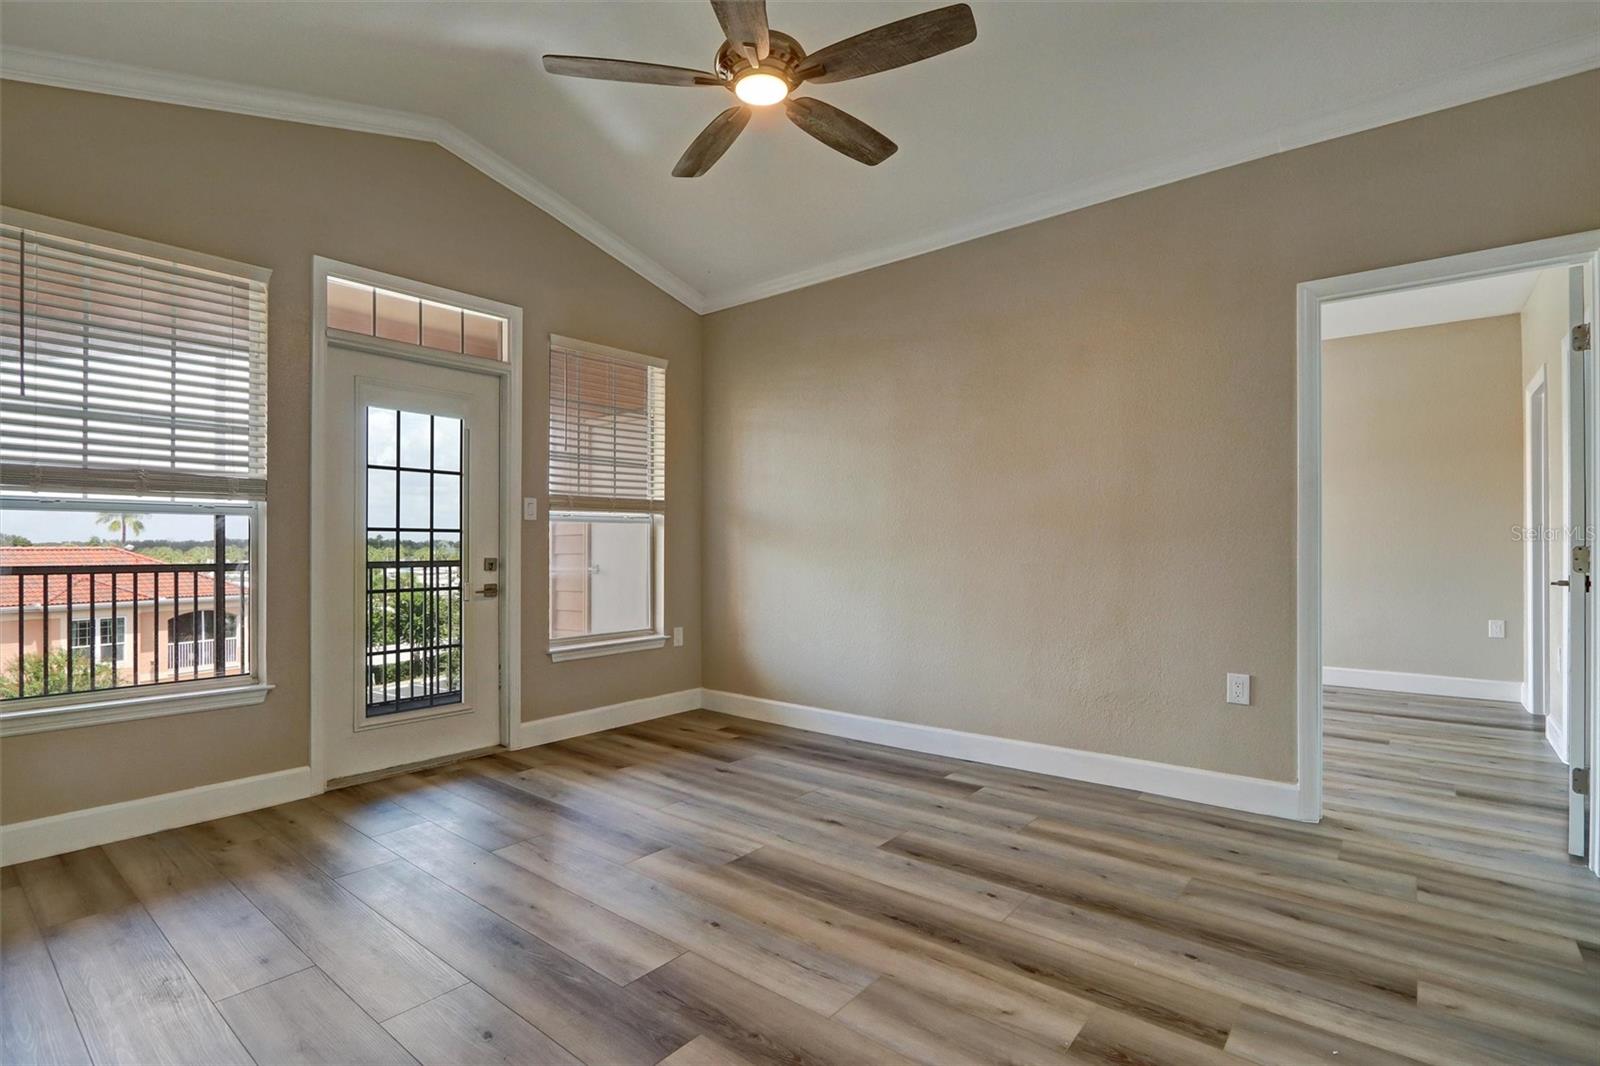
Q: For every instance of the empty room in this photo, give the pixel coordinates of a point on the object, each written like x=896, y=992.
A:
x=744, y=533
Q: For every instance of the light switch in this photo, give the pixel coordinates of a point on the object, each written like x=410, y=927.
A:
x=530, y=508
x=677, y=636
x=1497, y=629
x=1239, y=688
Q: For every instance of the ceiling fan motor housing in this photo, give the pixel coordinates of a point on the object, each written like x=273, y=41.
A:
x=783, y=59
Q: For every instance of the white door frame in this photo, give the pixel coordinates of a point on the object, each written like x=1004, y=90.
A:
x=1579, y=249
x=1536, y=550
x=510, y=373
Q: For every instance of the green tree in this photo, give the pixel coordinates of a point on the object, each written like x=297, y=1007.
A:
x=123, y=525
x=28, y=674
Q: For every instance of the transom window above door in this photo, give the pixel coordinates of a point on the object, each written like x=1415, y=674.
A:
x=373, y=311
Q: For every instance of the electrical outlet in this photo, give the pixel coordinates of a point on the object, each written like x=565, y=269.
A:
x=1239, y=688
x=677, y=636
x=1497, y=629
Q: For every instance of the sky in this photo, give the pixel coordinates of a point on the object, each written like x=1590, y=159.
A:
x=51, y=527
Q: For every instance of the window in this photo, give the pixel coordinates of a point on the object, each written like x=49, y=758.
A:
x=373, y=312
x=133, y=463
x=607, y=498
x=413, y=567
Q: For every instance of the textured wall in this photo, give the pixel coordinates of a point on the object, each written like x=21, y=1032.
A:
x=1042, y=485
x=275, y=194
x=1421, y=491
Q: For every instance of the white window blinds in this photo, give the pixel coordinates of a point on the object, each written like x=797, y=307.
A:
x=608, y=441
x=129, y=374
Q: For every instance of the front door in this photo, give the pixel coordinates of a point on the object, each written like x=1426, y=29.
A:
x=409, y=546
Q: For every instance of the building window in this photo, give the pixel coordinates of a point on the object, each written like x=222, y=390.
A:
x=607, y=484
x=133, y=463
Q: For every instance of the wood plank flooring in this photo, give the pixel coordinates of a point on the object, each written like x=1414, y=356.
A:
x=707, y=891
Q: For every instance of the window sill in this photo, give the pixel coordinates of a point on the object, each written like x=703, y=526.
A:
x=606, y=647
x=129, y=708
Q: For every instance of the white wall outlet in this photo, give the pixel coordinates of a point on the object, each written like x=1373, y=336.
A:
x=530, y=508
x=677, y=636
x=1239, y=688
x=1497, y=629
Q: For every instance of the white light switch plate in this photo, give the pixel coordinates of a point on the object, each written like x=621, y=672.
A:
x=1239, y=688
x=530, y=508
x=677, y=636
x=1497, y=629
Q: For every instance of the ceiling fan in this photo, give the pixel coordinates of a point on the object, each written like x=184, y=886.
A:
x=762, y=67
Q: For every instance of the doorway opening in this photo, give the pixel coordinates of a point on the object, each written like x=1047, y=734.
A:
x=1447, y=416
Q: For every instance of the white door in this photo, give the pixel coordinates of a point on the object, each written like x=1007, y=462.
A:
x=1579, y=584
x=408, y=634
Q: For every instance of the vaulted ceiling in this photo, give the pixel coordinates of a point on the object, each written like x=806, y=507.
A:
x=1055, y=106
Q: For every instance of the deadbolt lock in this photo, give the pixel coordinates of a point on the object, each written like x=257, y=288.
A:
x=490, y=565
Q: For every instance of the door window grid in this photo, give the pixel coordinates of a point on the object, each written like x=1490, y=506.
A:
x=413, y=605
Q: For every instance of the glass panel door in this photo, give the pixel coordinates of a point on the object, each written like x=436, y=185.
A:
x=413, y=555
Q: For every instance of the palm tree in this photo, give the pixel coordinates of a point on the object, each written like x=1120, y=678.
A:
x=121, y=524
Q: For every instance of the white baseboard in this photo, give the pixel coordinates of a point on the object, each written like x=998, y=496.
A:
x=1469, y=688
x=1555, y=735
x=58, y=833
x=1257, y=795
x=613, y=716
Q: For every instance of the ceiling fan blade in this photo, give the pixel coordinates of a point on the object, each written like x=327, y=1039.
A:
x=744, y=23
x=627, y=70
x=712, y=142
x=893, y=44
x=839, y=130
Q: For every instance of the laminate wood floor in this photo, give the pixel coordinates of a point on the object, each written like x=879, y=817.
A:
x=708, y=891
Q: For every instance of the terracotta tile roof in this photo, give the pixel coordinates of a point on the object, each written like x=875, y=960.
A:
x=86, y=587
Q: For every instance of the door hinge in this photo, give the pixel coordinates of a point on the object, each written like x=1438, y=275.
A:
x=1580, y=337
x=1580, y=780
x=1580, y=559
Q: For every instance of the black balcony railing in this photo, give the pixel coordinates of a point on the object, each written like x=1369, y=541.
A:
x=87, y=628
x=413, y=634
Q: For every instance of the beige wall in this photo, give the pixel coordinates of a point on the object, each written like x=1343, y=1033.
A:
x=1042, y=485
x=275, y=194
x=1421, y=494
x=1545, y=321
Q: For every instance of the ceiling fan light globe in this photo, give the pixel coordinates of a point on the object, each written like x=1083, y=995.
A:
x=760, y=89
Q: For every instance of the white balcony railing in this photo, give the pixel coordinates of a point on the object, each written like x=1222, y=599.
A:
x=199, y=654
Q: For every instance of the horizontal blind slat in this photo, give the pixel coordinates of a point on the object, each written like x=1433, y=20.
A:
x=607, y=432
x=126, y=373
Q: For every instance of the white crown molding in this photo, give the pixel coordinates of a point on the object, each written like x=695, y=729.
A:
x=1533, y=67
x=1559, y=60
x=142, y=83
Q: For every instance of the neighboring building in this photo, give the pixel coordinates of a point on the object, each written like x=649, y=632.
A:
x=155, y=621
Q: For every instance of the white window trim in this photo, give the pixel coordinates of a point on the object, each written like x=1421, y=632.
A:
x=564, y=652
x=195, y=696
x=43, y=714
